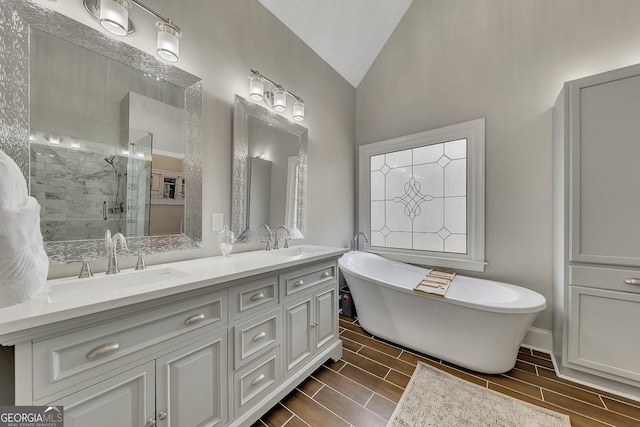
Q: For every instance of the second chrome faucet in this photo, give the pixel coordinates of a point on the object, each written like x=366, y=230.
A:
x=111, y=244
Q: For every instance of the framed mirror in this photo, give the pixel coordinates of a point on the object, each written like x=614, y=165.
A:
x=269, y=173
x=108, y=137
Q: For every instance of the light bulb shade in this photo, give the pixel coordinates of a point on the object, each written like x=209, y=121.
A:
x=168, y=45
x=114, y=16
x=279, y=100
x=256, y=87
x=298, y=110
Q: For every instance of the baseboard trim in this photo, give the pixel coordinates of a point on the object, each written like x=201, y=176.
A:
x=538, y=339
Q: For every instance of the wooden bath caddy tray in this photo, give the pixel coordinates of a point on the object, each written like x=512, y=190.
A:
x=435, y=283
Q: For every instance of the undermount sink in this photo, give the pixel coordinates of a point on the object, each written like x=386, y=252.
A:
x=296, y=251
x=112, y=283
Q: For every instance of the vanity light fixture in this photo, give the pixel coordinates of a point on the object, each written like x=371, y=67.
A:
x=113, y=15
x=276, y=98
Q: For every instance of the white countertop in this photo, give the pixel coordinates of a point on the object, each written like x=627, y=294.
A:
x=64, y=299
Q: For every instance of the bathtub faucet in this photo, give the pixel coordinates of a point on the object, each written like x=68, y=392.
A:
x=354, y=242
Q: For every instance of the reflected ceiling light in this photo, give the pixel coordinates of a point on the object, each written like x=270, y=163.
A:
x=276, y=97
x=113, y=15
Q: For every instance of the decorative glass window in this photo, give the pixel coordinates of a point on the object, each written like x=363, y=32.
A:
x=422, y=197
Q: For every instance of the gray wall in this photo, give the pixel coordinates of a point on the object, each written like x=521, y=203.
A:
x=451, y=61
x=221, y=41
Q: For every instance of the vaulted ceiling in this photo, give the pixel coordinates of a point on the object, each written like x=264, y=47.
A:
x=347, y=34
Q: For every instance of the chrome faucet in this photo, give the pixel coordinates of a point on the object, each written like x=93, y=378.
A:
x=286, y=239
x=266, y=227
x=354, y=242
x=112, y=244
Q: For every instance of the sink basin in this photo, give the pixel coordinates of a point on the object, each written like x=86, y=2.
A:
x=296, y=251
x=114, y=284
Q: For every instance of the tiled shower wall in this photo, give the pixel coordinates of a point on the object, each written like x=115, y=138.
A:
x=71, y=186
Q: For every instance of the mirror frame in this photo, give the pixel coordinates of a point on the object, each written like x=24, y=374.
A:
x=18, y=17
x=243, y=109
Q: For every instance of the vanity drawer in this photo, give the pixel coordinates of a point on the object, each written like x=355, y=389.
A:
x=300, y=280
x=257, y=295
x=69, y=359
x=255, y=381
x=256, y=336
x=605, y=278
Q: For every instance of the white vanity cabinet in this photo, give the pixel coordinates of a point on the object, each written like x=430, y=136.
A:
x=221, y=353
x=185, y=387
x=596, y=229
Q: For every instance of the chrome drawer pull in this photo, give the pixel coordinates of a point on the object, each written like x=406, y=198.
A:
x=259, y=336
x=103, y=350
x=194, y=319
x=150, y=423
x=258, y=379
x=162, y=416
x=632, y=281
x=256, y=297
x=298, y=283
x=325, y=274
x=313, y=325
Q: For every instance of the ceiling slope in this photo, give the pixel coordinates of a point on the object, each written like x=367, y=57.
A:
x=347, y=34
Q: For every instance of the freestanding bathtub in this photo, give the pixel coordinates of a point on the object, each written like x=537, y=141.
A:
x=479, y=324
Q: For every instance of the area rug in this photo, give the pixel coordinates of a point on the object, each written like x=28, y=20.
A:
x=436, y=398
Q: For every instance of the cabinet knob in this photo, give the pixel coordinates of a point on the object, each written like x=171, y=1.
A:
x=632, y=281
x=150, y=423
x=325, y=274
x=102, y=350
x=298, y=283
x=162, y=416
x=194, y=319
x=256, y=297
x=313, y=325
x=258, y=379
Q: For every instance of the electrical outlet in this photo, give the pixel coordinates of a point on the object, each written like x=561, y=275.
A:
x=217, y=221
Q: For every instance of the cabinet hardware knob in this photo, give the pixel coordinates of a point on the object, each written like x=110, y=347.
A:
x=194, y=319
x=632, y=281
x=256, y=297
x=259, y=336
x=258, y=379
x=325, y=274
x=298, y=283
x=162, y=416
x=150, y=423
x=102, y=350
x=313, y=325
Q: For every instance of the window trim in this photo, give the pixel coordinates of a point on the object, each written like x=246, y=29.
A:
x=474, y=132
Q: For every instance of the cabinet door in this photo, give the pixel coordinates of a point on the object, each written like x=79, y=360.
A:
x=605, y=148
x=326, y=316
x=299, y=343
x=191, y=384
x=126, y=400
x=603, y=330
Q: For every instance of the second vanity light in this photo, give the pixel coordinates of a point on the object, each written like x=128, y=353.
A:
x=113, y=15
x=276, y=98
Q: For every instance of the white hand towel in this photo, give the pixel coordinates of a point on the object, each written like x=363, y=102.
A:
x=23, y=261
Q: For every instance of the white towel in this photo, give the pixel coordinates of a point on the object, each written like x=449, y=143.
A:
x=23, y=261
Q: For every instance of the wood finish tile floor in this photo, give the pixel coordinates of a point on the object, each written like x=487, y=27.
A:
x=363, y=388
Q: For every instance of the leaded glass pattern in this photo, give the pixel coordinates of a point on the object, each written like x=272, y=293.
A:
x=419, y=198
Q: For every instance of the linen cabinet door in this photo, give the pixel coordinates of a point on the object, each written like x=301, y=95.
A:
x=604, y=154
x=125, y=400
x=326, y=316
x=299, y=340
x=603, y=330
x=191, y=384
